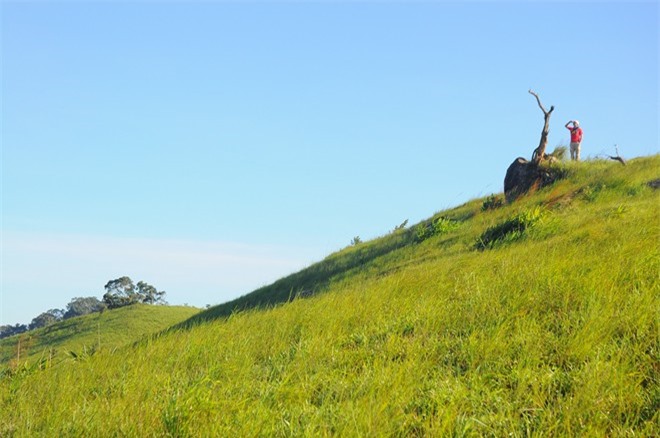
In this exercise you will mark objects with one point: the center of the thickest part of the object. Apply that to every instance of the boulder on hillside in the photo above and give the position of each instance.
(524, 176)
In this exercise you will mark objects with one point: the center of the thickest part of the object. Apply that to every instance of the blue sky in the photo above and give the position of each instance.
(210, 148)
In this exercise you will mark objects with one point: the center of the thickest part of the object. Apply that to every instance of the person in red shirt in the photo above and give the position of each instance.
(576, 138)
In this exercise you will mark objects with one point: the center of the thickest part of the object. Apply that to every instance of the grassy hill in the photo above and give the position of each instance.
(534, 318)
(85, 334)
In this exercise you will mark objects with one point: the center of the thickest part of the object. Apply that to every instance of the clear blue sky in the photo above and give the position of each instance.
(210, 148)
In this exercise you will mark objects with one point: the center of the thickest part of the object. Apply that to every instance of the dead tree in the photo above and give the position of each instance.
(523, 176)
(539, 152)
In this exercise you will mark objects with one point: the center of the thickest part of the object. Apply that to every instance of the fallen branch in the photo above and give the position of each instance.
(618, 157)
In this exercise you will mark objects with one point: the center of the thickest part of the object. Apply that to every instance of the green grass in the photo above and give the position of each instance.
(552, 333)
(86, 334)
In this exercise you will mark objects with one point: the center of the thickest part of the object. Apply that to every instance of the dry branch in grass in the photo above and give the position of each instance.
(618, 157)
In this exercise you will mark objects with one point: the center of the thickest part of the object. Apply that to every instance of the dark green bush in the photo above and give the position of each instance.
(492, 202)
(510, 230)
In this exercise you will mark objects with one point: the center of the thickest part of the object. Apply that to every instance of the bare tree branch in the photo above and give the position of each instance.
(545, 112)
(539, 152)
(538, 100)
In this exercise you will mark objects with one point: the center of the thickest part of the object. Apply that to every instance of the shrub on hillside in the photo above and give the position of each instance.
(441, 225)
(510, 230)
(401, 226)
(559, 153)
(492, 202)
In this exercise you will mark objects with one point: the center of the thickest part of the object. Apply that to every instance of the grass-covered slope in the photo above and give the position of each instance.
(586, 182)
(537, 318)
(85, 334)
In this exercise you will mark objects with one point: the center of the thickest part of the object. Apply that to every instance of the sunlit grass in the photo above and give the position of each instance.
(551, 334)
(89, 333)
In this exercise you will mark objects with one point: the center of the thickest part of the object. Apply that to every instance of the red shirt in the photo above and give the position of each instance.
(576, 134)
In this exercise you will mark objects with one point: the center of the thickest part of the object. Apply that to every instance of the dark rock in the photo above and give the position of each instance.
(654, 184)
(524, 176)
(305, 293)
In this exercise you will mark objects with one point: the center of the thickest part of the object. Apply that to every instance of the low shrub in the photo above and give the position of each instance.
(441, 225)
(560, 152)
(401, 226)
(591, 192)
(492, 202)
(510, 230)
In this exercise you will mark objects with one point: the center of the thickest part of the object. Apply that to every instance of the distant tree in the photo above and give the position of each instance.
(123, 292)
(11, 330)
(47, 318)
(83, 306)
(57, 313)
(149, 294)
(119, 293)
(356, 240)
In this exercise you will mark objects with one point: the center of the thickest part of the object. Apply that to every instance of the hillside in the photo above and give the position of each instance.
(585, 182)
(85, 334)
(534, 318)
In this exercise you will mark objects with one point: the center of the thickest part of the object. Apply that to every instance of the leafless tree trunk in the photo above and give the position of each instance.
(539, 152)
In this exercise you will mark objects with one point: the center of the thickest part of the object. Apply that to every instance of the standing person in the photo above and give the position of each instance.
(576, 138)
